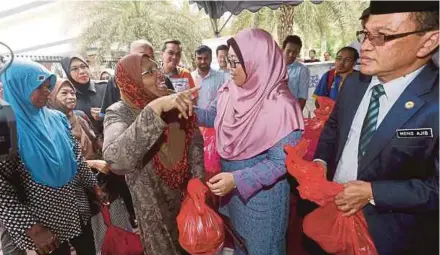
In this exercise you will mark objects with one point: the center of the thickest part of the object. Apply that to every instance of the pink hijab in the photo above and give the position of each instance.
(253, 118)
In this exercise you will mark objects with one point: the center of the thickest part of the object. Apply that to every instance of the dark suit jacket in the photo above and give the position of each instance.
(404, 172)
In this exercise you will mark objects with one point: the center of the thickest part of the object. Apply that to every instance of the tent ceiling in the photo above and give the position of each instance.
(216, 9)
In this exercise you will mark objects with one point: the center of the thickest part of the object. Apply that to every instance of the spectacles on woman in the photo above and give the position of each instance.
(153, 70)
(380, 39)
(233, 62)
(150, 72)
(76, 69)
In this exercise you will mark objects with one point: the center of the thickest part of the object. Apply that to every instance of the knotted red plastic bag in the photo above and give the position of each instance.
(118, 241)
(313, 127)
(335, 233)
(201, 229)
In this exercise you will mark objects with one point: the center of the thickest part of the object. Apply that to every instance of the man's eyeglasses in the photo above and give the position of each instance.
(233, 62)
(77, 68)
(380, 39)
(172, 53)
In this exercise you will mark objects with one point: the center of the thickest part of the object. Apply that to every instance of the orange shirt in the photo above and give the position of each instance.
(182, 80)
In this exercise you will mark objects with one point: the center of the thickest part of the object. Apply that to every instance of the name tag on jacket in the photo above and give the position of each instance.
(414, 133)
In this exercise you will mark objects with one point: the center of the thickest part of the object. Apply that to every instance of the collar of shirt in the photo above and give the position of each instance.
(197, 75)
(173, 73)
(394, 88)
(294, 64)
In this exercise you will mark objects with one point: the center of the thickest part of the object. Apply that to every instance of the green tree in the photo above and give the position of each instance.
(327, 26)
(111, 26)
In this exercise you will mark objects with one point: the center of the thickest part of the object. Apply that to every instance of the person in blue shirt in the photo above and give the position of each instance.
(331, 82)
(299, 74)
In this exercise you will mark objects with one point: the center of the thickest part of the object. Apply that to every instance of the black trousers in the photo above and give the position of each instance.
(84, 244)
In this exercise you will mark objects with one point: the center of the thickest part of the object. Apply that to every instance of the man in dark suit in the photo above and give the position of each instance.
(382, 138)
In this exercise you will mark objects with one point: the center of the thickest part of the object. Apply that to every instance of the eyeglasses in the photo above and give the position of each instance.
(173, 53)
(380, 39)
(76, 69)
(150, 72)
(233, 62)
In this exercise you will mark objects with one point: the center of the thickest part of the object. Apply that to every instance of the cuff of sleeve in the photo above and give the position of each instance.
(244, 192)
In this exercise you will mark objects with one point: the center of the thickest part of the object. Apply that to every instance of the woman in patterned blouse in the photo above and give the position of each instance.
(43, 205)
(158, 152)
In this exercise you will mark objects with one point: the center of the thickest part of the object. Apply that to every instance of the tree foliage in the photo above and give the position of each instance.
(112, 25)
(327, 26)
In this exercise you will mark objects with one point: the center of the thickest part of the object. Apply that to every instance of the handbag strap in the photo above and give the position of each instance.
(106, 215)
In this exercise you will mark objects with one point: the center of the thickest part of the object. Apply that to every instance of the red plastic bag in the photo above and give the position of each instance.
(201, 229)
(210, 154)
(117, 241)
(313, 127)
(335, 233)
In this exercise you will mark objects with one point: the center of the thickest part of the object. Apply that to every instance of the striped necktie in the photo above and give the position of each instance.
(370, 121)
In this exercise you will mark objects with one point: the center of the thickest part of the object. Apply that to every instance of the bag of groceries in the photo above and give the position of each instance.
(335, 233)
(201, 229)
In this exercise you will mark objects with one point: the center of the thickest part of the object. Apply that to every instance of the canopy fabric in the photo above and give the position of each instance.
(216, 9)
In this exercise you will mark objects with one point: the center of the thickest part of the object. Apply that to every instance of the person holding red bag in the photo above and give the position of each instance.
(156, 150)
(381, 140)
(255, 117)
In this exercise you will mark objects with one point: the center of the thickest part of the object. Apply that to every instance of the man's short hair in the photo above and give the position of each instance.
(172, 41)
(140, 43)
(222, 47)
(294, 39)
(314, 51)
(204, 49)
(426, 20)
(353, 51)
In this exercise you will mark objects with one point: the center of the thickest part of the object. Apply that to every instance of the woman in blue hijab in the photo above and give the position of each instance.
(42, 200)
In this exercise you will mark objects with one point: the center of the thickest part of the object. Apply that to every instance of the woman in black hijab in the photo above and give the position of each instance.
(89, 93)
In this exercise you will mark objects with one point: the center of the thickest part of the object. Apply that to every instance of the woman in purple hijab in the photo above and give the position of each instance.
(254, 118)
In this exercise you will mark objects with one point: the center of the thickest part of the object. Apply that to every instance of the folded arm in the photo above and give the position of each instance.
(252, 179)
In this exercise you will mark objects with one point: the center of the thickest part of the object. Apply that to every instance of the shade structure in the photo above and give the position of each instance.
(216, 9)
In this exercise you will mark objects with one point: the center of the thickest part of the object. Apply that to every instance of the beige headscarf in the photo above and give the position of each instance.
(81, 129)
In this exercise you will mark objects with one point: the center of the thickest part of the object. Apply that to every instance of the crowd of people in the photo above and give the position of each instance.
(131, 140)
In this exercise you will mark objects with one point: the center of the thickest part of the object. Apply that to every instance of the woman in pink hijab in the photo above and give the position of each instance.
(254, 118)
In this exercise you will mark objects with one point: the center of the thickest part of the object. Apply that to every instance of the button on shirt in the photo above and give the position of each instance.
(299, 77)
(209, 86)
(348, 164)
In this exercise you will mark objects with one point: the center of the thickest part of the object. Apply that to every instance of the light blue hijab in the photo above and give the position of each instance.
(44, 141)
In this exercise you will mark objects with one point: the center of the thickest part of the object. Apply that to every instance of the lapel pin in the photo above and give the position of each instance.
(409, 105)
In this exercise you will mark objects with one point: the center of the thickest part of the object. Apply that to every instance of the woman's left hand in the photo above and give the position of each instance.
(221, 184)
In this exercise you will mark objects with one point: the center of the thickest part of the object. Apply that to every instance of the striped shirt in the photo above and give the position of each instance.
(299, 77)
(209, 86)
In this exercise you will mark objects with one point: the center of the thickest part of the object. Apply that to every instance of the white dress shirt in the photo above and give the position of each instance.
(347, 168)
